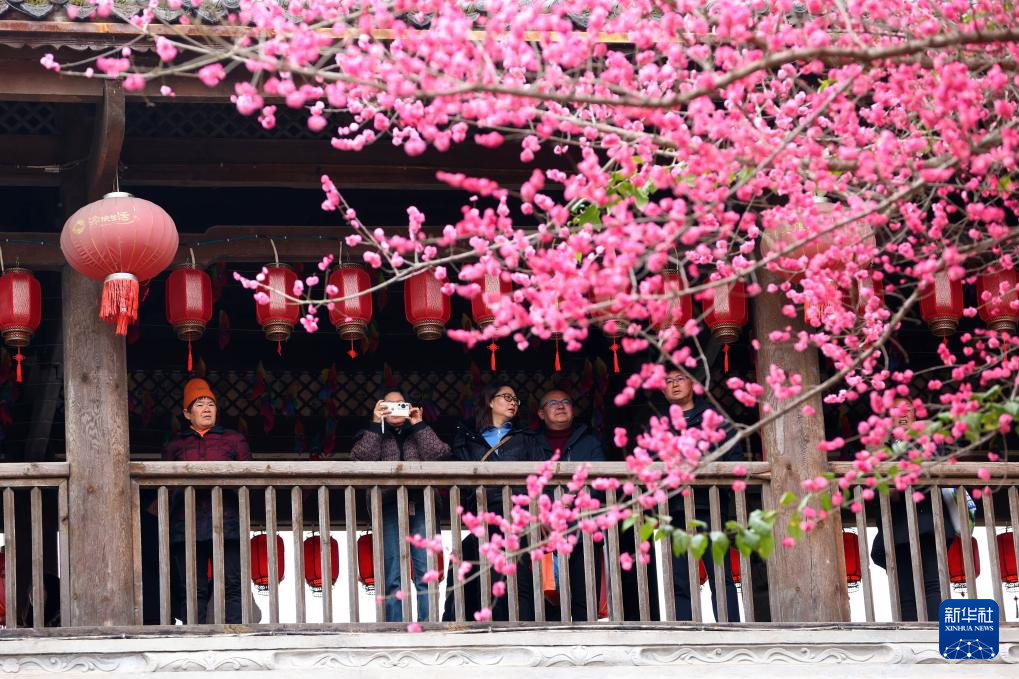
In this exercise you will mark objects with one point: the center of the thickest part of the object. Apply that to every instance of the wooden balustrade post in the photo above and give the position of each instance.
(806, 583)
(96, 429)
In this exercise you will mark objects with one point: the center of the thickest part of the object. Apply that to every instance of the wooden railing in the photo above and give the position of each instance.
(961, 478)
(261, 499)
(34, 491)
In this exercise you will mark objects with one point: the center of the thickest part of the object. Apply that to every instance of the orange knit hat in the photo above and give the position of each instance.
(195, 389)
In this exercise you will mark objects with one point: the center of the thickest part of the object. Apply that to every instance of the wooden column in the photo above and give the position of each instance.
(96, 427)
(807, 582)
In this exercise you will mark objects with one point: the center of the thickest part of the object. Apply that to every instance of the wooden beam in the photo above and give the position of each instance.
(96, 429)
(107, 140)
(807, 583)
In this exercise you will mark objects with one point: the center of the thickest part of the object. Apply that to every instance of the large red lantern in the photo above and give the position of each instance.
(313, 561)
(426, 307)
(1006, 561)
(119, 240)
(260, 561)
(941, 305)
(278, 315)
(957, 563)
(851, 547)
(725, 312)
(351, 315)
(188, 303)
(493, 288)
(997, 310)
(680, 309)
(366, 562)
(20, 310)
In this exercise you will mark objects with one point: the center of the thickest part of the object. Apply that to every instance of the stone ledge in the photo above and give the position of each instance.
(785, 651)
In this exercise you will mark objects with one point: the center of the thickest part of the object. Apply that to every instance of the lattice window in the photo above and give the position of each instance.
(206, 121)
(23, 117)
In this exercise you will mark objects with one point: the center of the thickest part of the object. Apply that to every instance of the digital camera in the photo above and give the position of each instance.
(398, 409)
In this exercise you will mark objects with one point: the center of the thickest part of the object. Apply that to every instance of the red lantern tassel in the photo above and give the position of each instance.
(558, 366)
(18, 358)
(352, 353)
(279, 348)
(615, 356)
(190, 363)
(120, 301)
(493, 347)
(725, 351)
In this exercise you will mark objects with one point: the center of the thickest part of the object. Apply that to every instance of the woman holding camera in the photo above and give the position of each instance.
(397, 433)
(493, 436)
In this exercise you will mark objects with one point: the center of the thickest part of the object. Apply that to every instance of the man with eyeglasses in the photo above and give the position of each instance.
(679, 391)
(575, 442)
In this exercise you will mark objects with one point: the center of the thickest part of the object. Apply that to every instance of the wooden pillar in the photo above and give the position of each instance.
(96, 426)
(807, 582)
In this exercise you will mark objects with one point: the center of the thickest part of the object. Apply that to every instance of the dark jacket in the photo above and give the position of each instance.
(582, 446)
(702, 503)
(411, 443)
(221, 445)
(900, 524)
(470, 446)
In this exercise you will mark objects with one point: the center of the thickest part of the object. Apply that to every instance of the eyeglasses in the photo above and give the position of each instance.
(509, 398)
(676, 380)
(555, 403)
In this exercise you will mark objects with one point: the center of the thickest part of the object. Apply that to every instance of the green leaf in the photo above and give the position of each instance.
(698, 543)
(759, 522)
(647, 528)
(748, 542)
(719, 546)
(590, 215)
(766, 546)
(788, 498)
(793, 527)
(826, 502)
(694, 523)
(628, 523)
(680, 542)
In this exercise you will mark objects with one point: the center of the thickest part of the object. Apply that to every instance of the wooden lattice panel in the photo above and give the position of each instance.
(189, 121)
(23, 117)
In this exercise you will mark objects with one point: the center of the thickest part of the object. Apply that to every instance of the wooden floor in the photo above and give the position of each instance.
(766, 651)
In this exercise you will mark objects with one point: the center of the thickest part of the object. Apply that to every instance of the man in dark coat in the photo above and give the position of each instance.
(904, 419)
(203, 441)
(679, 391)
(392, 438)
(575, 442)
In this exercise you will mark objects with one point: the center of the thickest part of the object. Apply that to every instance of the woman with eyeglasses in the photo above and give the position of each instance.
(493, 436)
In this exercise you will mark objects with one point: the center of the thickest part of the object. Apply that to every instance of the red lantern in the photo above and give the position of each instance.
(997, 310)
(20, 310)
(313, 561)
(941, 305)
(188, 303)
(956, 563)
(260, 561)
(851, 548)
(1006, 561)
(279, 315)
(725, 312)
(426, 307)
(680, 309)
(805, 245)
(702, 572)
(119, 240)
(734, 566)
(352, 315)
(366, 562)
(614, 314)
(493, 288)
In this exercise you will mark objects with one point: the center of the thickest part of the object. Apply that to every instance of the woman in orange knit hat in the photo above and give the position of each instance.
(205, 440)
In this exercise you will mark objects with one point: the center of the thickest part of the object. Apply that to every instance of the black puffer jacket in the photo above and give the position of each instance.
(470, 446)
(582, 446)
(702, 504)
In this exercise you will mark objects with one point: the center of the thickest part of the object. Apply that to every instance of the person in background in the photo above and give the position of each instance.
(205, 441)
(905, 416)
(679, 391)
(493, 436)
(400, 438)
(575, 442)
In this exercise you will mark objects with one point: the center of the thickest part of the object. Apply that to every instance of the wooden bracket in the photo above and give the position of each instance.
(107, 141)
